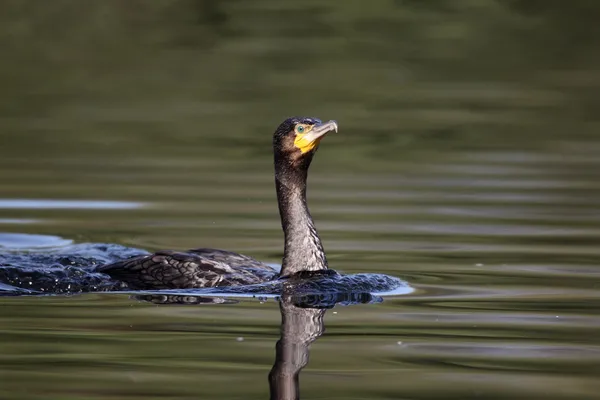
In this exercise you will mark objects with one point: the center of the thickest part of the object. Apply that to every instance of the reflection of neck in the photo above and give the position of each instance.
(299, 328)
(303, 249)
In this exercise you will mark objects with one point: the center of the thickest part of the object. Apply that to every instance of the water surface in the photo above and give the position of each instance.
(505, 301)
(466, 164)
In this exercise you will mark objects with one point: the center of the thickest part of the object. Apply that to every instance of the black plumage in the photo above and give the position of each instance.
(294, 143)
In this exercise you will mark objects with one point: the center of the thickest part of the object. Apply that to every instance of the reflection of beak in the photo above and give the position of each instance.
(311, 139)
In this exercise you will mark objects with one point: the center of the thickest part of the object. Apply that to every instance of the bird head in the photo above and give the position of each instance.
(297, 138)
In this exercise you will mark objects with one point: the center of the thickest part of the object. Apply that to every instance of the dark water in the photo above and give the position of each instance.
(466, 164)
(505, 267)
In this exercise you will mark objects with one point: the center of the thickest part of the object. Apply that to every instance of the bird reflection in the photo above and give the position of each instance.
(302, 324)
(299, 328)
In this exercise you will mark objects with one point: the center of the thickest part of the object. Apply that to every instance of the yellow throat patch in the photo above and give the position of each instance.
(303, 143)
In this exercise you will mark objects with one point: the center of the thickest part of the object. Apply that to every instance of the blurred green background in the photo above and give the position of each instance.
(113, 80)
(466, 162)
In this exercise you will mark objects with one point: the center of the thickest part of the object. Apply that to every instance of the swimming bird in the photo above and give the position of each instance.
(295, 142)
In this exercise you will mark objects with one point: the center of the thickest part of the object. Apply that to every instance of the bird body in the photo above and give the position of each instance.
(197, 268)
(294, 143)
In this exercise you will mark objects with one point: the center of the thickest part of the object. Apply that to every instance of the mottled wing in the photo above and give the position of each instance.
(168, 270)
(230, 258)
(245, 270)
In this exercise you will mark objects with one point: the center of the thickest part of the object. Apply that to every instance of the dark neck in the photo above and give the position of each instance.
(303, 248)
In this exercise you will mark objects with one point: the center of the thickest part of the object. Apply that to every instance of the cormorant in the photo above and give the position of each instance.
(294, 144)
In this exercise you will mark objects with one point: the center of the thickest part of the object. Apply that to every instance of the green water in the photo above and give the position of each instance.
(466, 163)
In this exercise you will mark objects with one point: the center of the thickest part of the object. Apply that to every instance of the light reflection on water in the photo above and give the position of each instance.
(17, 221)
(466, 164)
(49, 204)
(497, 308)
(16, 241)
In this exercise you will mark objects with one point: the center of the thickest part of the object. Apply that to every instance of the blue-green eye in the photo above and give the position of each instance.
(300, 129)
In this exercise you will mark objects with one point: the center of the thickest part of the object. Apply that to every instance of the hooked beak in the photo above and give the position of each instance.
(320, 130)
(310, 140)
